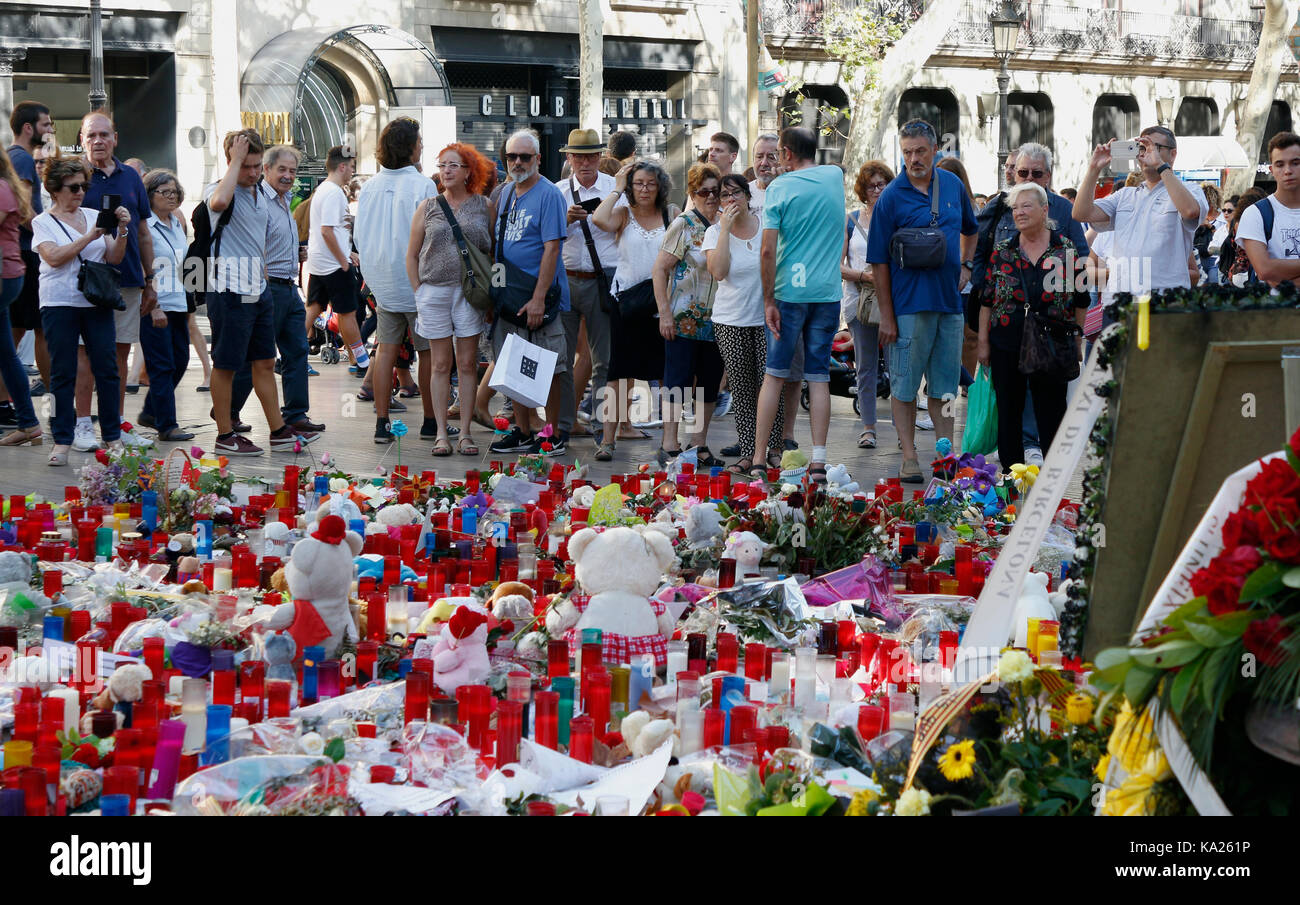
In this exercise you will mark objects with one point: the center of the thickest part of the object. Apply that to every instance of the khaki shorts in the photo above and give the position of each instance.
(549, 337)
(127, 323)
(391, 329)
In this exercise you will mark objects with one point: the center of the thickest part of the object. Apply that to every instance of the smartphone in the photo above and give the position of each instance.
(590, 204)
(1124, 150)
(107, 220)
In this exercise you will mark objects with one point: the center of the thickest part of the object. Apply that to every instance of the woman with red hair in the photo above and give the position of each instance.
(433, 266)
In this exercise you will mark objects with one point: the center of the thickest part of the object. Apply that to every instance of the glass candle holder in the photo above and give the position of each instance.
(696, 646)
(557, 658)
(742, 718)
(509, 732)
(18, 753)
(278, 692)
(367, 657)
(726, 573)
(779, 674)
(581, 732)
(223, 686)
(756, 661)
(598, 697)
(678, 658)
(329, 679)
(728, 652)
(217, 748)
(871, 721)
(563, 685)
(417, 696)
(546, 711)
(715, 724)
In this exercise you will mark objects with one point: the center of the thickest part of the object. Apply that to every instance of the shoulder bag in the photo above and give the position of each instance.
(100, 283)
(639, 300)
(604, 275)
(921, 247)
(868, 302)
(519, 285)
(1048, 346)
(475, 264)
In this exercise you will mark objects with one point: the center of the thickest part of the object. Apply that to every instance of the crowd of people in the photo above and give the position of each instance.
(724, 295)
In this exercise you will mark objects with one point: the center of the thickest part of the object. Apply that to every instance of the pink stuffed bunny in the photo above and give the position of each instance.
(460, 657)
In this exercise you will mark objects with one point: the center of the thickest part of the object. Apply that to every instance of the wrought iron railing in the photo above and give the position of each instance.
(1048, 27)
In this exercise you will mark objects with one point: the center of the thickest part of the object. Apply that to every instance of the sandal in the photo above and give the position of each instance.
(441, 447)
(818, 475)
(757, 473)
(483, 419)
(867, 439)
(773, 459)
(604, 452)
(742, 467)
(364, 395)
(58, 455)
(466, 447)
(409, 392)
(637, 434)
(706, 459)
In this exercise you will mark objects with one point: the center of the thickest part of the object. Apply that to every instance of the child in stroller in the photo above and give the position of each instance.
(844, 372)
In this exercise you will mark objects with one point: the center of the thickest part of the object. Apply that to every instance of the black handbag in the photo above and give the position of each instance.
(638, 300)
(1048, 347)
(604, 275)
(519, 285)
(921, 247)
(475, 265)
(100, 283)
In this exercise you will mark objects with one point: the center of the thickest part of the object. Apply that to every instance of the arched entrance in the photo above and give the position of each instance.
(314, 87)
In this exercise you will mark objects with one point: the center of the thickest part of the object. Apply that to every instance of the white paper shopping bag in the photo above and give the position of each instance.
(523, 371)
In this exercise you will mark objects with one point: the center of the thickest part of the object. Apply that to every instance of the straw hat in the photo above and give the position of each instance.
(583, 141)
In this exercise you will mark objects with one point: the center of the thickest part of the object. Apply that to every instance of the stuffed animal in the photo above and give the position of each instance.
(396, 514)
(1033, 604)
(840, 481)
(440, 612)
(1060, 597)
(371, 565)
(584, 496)
(512, 600)
(460, 656)
(15, 568)
(125, 684)
(280, 651)
(642, 735)
(703, 525)
(319, 575)
(276, 540)
(339, 503)
(747, 549)
(620, 568)
(189, 569)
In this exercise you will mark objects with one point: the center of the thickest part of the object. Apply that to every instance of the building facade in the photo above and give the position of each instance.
(1082, 74)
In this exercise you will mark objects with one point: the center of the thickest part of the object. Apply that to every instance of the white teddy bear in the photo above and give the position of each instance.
(642, 735)
(747, 549)
(320, 572)
(620, 568)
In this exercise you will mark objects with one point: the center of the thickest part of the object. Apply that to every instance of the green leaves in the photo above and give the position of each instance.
(1169, 654)
(1263, 582)
(1074, 786)
(1139, 683)
(334, 749)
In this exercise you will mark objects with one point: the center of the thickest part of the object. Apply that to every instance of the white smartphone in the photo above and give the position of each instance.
(1124, 150)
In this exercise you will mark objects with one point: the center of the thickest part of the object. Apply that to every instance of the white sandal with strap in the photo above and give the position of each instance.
(58, 455)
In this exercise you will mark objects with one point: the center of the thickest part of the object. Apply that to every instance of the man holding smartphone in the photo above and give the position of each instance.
(113, 184)
(1154, 222)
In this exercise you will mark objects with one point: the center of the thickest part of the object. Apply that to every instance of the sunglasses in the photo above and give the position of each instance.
(1028, 174)
(77, 188)
(522, 158)
(708, 193)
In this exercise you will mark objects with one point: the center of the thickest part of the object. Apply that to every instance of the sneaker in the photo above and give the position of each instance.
(508, 410)
(38, 388)
(910, 472)
(1034, 456)
(135, 441)
(723, 406)
(515, 441)
(233, 444)
(360, 373)
(32, 370)
(83, 439)
(791, 443)
(382, 433)
(305, 426)
(146, 420)
(429, 429)
(286, 438)
(395, 406)
(175, 435)
(312, 372)
(559, 446)
(924, 421)
(7, 416)
(732, 451)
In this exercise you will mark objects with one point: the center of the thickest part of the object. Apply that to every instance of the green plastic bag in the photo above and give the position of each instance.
(981, 434)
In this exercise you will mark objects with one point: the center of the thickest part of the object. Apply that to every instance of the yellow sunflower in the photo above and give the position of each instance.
(958, 762)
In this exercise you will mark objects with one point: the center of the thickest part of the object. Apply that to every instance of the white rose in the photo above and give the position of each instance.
(338, 485)
(312, 744)
(1015, 666)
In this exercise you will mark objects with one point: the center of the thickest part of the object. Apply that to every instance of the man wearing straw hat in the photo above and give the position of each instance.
(583, 190)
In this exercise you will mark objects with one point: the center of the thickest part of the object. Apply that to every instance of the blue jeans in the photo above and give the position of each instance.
(1029, 425)
(866, 354)
(63, 325)
(929, 344)
(287, 319)
(166, 356)
(11, 369)
(811, 325)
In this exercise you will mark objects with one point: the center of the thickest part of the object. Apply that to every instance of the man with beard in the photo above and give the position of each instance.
(529, 233)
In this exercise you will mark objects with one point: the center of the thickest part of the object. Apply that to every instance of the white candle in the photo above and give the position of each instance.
(676, 663)
(780, 682)
(222, 579)
(71, 706)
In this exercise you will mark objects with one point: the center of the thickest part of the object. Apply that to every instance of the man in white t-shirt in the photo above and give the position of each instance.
(1154, 222)
(1275, 253)
(330, 259)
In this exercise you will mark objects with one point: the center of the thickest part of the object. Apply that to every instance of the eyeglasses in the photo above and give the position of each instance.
(727, 196)
(1027, 174)
(876, 186)
(522, 158)
(1165, 147)
(451, 166)
(645, 186)
(707, 193)
(77, 188)
(166, 193)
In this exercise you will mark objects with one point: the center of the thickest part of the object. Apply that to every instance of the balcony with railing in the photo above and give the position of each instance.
(1050, 29)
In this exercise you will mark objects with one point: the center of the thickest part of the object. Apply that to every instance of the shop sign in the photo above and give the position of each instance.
(558, 107)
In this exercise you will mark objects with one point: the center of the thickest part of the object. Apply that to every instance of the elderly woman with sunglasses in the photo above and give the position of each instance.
(64, 236)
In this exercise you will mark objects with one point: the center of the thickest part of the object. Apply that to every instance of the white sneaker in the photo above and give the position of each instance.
(134, 440)
(83, 440)
(924, 422)
(1034, 457)
(648, 425)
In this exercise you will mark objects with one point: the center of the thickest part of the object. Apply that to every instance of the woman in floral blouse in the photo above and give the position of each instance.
(1036, 268)
(684, 293)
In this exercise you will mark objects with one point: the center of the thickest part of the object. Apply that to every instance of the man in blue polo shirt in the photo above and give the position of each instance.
(921, 314)
(109, 176)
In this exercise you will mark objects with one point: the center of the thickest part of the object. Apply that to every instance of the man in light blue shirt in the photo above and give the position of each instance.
(280, 170)
(385, 209)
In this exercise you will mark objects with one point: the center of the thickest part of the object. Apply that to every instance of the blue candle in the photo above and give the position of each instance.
(13, 803)
(149, 504)
(640, 680)
(358, 525)
(733, 693)
(404, 667)
(115, 805)
(469, 521)
(203, 540)
(322, 484)
(311, 656)
(53, 628)
(217, 749)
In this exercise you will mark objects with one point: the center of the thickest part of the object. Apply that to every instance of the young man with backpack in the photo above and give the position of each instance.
(1269, 230)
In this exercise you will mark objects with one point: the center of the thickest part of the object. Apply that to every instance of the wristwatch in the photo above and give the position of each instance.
(1160, 170)
(969, 265)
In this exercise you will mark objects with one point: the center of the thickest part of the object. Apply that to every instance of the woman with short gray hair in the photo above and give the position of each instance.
(1036, 270)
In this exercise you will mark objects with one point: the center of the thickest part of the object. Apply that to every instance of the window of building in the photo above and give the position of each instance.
(326, 103)
(822, 111)
(1279, 120)
(1029, 118)
(1197, 116)
(938, 107)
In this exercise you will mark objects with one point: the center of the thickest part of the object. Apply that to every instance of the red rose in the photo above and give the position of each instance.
(1285, 548)
(547, 446)
(1280, 517)
(1295, 442)
(1240, 529)
(1276, 481)
(87, 754)
(1220, 582)
(1264, 639)
(101, 457)
(1239, 563)
(500, 423)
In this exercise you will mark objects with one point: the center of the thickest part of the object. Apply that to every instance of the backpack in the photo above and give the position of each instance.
(206, 244)
(1237, 261)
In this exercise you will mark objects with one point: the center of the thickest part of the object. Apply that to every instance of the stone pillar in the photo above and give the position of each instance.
(8, 56)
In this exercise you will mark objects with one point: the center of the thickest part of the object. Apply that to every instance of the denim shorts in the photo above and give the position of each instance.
(811, 325)
(929, 344)
(241, 332)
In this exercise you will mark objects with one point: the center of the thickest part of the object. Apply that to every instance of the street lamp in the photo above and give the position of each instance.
(98, 96)
(1006, 33)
